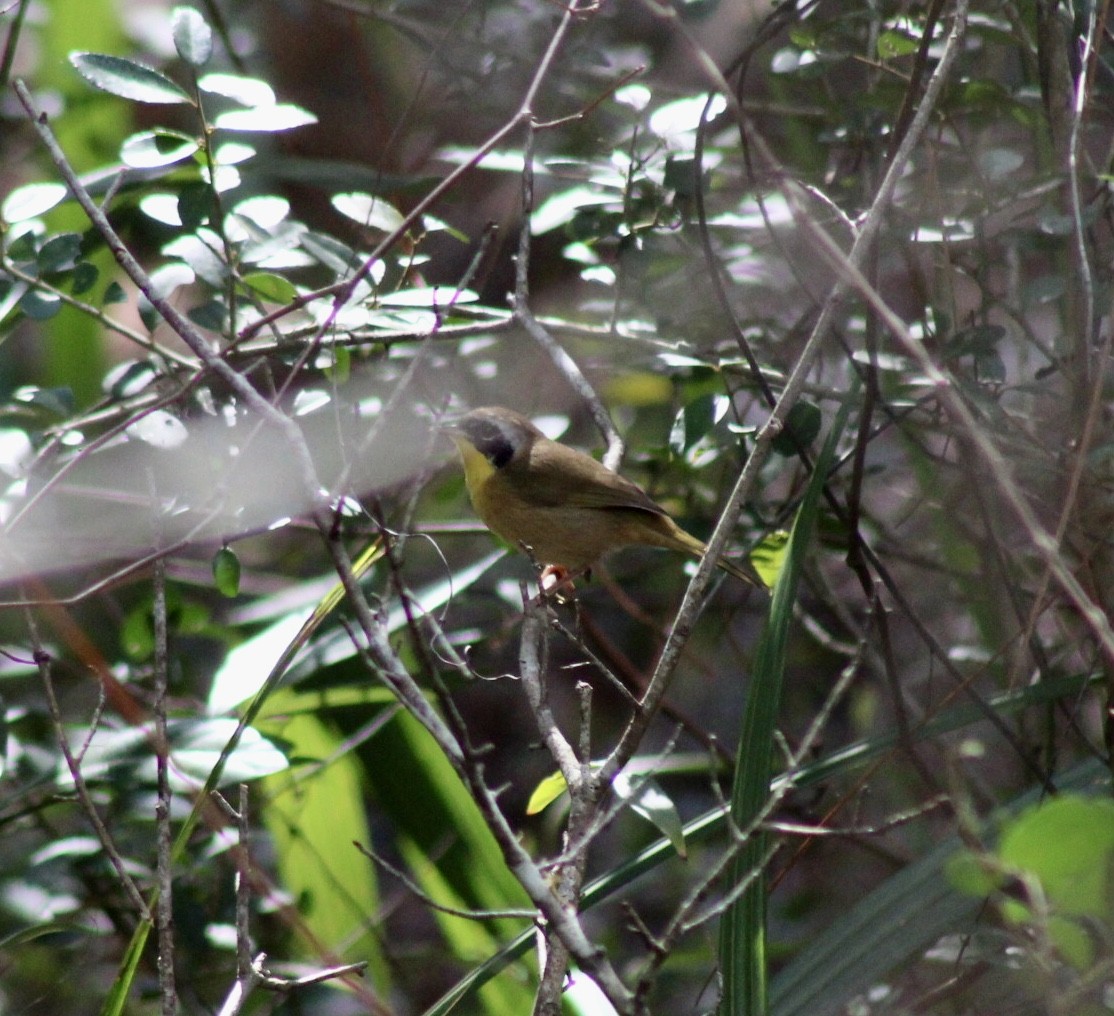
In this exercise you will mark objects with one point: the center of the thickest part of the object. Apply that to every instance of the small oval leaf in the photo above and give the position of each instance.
(801, 427)
(281, 117)
(39, 306)
(545, 793)
(193, 39)
(126, 78)
(226, 572)
(152, 149)
(271, 287)
(31, 200)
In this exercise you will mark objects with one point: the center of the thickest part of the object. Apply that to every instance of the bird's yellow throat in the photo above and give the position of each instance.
(477, 467)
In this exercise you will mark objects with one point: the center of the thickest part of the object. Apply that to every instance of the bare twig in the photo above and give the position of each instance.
(168, 994)
(112, 852)
(564, 363)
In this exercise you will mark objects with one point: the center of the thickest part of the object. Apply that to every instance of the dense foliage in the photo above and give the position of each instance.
(286, 730)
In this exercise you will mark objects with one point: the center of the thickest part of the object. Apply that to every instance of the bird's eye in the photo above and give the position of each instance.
(494, 443)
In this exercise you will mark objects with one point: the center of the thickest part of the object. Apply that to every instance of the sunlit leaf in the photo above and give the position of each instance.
(244, 90)
(193, 39)
(159, 429)
(151, 149)
(368, 210)
(647, 799)
(281, 117)
(32, 200)
(127, 78)
(545, 793)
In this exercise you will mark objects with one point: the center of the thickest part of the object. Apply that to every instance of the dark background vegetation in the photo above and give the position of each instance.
(675, 220)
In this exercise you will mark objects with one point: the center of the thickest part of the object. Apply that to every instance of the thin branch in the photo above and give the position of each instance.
(520, 301)
(168, 994)
(43, 662)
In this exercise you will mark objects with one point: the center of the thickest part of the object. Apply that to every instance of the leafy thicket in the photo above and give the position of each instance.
(284, 729)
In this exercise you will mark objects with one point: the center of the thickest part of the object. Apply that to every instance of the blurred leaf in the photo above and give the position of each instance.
(680, 175)
(1068, 843)
(85, 277)
(226, 572)
(369, 211)
(893, 44)
(271, 287)
(38, 305)
(195, 204)
(647, 799)
(31, 201)
(195, 746)
(694, 422)
(315, 814)
(280, 117)
(768, 557)
(59, 253)
(643, 388)
(192, 37)
(424, 798)
(801, 427)
(742, 945)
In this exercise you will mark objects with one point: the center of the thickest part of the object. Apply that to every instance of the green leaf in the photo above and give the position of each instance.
(1067, 843)
(894, 44)
(280, 117)
(545, 793)
(195, 204)
(155, 148)
(651, 802)
(211, 315)
(59, 253)
(39, 306)
(114, 293)
(226, 572)
(971, 875)
(22, 248)
(368, 210)
(31, 201)
(801, 427)
(193, 39)
(342, 364)
(768, 557)
(126, 78)
(271, 287)
(316, 815)
(239, 88)
(137, 637)
(84, 278)
(742, 945)
(680, 175)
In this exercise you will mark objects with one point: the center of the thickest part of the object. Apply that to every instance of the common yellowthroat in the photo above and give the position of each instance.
(565, 506)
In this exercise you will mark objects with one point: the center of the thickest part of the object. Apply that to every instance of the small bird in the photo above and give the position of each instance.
(565, 506)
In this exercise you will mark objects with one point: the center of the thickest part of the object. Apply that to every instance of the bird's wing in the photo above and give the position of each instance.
(579, 481)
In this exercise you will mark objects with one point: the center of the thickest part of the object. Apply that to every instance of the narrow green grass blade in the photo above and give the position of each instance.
(742, 944)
